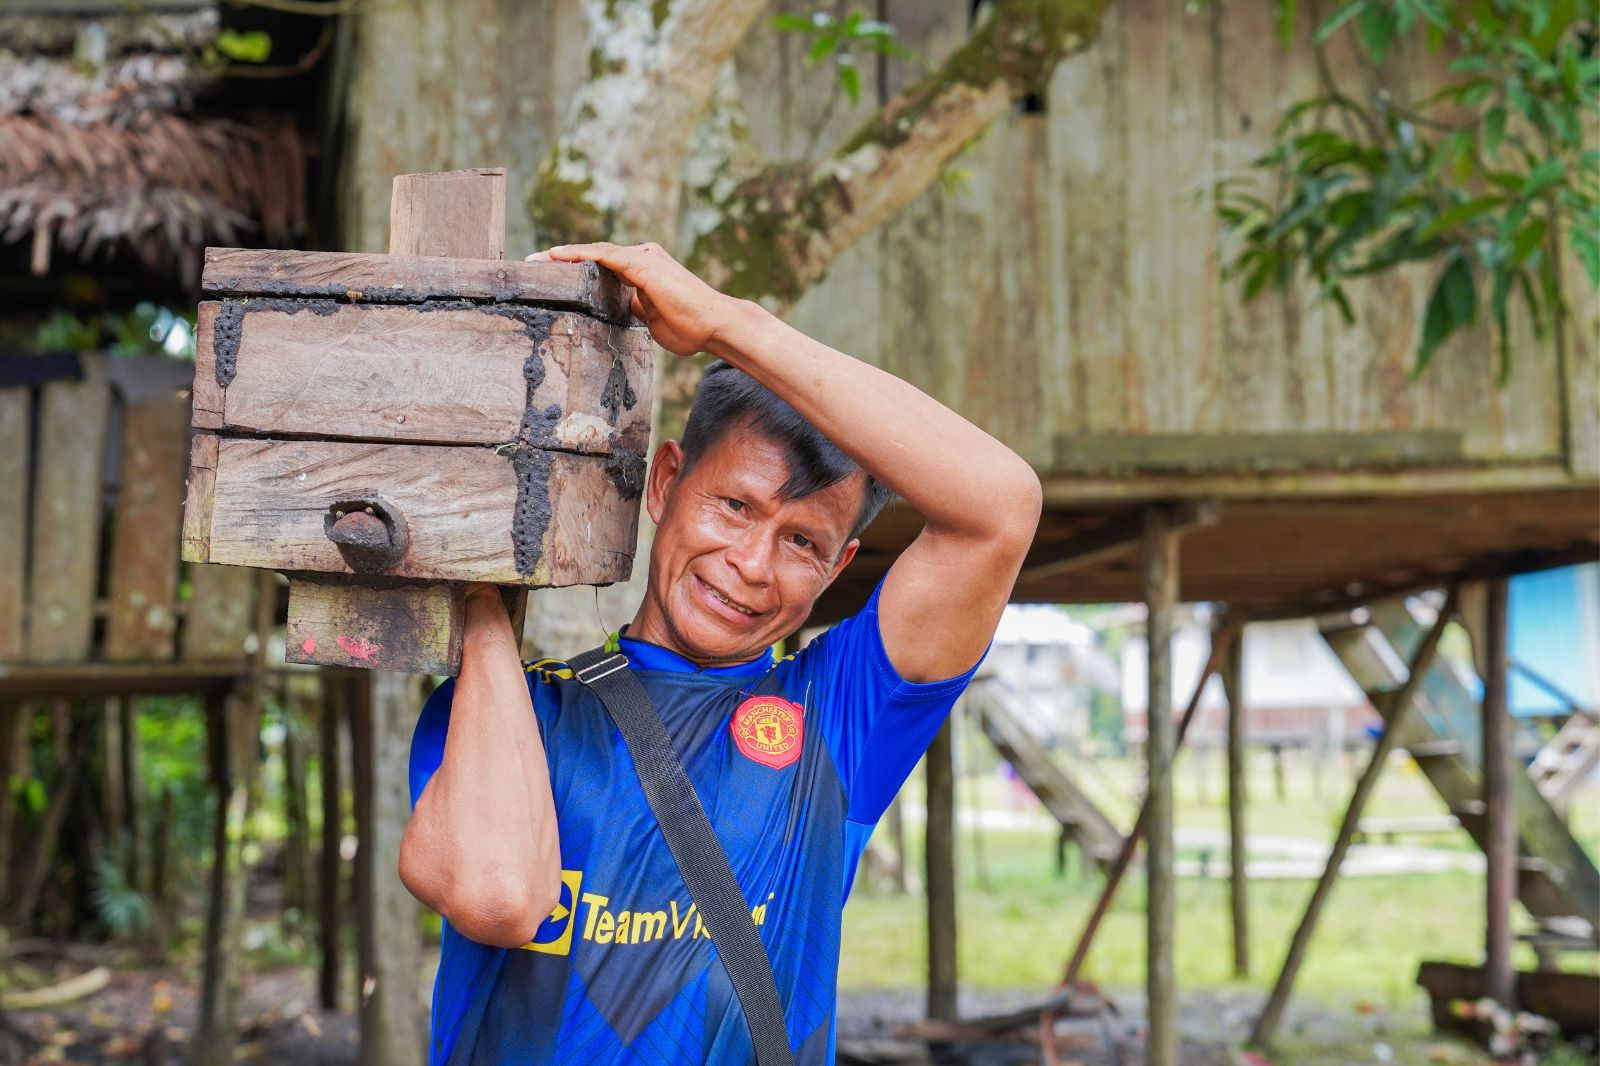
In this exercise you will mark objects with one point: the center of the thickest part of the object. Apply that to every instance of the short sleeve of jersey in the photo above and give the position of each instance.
(427, 741)
(876, 724)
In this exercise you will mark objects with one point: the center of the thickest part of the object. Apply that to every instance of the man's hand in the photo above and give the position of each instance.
(684, 314)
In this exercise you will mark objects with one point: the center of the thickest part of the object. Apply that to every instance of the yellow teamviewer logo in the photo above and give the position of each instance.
(554, 937)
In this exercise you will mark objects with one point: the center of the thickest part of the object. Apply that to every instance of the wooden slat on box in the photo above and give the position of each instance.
(142, 595)
(66, 516)
(218, 613)
(447, 376)
(465, 516)
(16, 413)
(411, 628)
(410, 279)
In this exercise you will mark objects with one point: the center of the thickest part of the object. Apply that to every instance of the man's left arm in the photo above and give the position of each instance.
(942, 599)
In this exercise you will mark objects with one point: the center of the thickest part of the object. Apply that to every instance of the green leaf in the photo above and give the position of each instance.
(1376, 30)
(1452, 306)
(824, 47)
(1542, 175)
(1459, 213)
(1287, 12)
(1586, 243)
(253, 46)
(1494, 130)
(850, 78)
(1331, 24)
(1528, 238)
(794, 23)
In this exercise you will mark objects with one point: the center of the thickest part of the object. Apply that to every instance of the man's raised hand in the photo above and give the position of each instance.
(683, 313)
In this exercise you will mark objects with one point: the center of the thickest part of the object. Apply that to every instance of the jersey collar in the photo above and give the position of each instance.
(643, 655)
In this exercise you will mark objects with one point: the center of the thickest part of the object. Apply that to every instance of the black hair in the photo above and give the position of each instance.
(728, 398)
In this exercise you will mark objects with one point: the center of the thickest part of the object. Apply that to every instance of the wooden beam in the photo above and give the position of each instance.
(1120, 535)
(88, 680)
(357, 625)
(939, 874)
(1253, 452)
(1161, 599)
(1500, 847)
(469, 514)
(1272, 1014)
(16, 419)
(449, 374)
(1238, 839)
(364, 277)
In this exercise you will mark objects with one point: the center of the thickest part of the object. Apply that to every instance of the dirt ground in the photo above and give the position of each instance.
(147, 1016)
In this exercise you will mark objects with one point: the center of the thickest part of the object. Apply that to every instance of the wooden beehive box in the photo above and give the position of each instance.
(385, 428)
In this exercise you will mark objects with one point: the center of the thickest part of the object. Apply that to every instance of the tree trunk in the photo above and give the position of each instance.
(297, 877)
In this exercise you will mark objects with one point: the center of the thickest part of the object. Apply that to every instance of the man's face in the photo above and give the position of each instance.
(734, 567)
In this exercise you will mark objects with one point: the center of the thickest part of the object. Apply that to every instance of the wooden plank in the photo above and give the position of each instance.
(461, 506)
(16, 419)
(410, 628)
(1089, 135)
(143, 584)
(207, 391)
(199, 498)
(1147, 281)
(217, 620)
(1255, 452)
(407, 279)
(1193, 319)
(65, 562)
(473, 376)
(459, 214)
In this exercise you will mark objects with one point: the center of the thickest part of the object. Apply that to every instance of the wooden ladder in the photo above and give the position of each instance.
(1006, 729)
(1570, 757)
(1443, 734)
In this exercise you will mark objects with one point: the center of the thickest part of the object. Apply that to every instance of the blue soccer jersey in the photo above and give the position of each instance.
(794, 759)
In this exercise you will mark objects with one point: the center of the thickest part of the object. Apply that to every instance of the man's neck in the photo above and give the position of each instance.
(654, 627)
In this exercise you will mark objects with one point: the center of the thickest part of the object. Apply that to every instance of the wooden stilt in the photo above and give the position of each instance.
(1272, 1013)
(1130, 843)
(1500, 847)
(897, 833)
(133, 795)
(1161, 598)
(296, 817)
(233, 728)
(391, 942)
(334, 708)
(1238, 892)
(939, 875)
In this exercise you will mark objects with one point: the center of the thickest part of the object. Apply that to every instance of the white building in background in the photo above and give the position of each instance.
(1054, 664)
(1296, 692)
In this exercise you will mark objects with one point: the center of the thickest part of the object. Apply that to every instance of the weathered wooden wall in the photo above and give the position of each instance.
(1063, 283)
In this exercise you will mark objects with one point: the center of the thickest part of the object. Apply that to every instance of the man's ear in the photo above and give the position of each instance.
(844, 560)
(665, 470)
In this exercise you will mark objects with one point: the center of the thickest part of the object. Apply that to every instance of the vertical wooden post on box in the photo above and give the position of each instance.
(1238, 886)
(1500, 845)
(460, 214)
(1161, 599)
(939, 875)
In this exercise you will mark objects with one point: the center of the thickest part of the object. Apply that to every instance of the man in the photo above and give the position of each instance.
(570, 935)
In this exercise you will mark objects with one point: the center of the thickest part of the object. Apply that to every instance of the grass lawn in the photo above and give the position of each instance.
(1019, 920)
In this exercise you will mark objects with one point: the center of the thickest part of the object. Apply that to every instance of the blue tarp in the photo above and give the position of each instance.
(1554, 620)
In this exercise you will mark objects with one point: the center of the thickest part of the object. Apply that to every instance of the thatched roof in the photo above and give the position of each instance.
(104, 153)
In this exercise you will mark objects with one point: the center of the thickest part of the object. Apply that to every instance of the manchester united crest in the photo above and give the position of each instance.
(768, 729)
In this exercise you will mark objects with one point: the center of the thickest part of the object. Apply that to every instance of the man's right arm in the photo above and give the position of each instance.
(482, 847)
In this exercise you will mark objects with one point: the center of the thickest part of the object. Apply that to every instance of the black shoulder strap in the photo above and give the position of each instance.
(694, 846)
